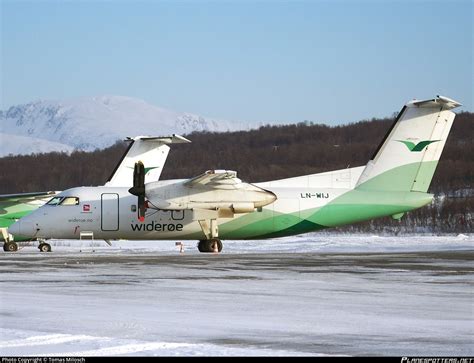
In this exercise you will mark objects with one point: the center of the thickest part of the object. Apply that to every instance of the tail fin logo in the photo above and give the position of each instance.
(417, 147)
(146, 169)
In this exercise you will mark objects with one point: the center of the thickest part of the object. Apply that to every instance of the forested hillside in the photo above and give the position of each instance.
(274, 152)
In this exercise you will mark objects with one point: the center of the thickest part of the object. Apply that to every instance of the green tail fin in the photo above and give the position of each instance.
(407, 157)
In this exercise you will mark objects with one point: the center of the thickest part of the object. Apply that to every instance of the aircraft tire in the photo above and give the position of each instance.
(10, 247)
(203, 246)
(219, 244)
(44, 247)
(209, 245)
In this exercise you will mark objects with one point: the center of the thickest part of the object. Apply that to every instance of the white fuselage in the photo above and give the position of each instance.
(110, 213)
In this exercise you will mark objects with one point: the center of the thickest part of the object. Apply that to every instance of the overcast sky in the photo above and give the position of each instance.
(270, 61)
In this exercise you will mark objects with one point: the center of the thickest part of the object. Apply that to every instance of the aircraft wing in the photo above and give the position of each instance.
(25, 197)
(14, 206)
(230, 194)
(214, 178)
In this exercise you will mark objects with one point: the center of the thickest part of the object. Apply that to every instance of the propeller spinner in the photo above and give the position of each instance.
(138, 188)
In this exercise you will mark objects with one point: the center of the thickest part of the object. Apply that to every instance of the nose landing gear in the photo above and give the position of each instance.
(44, 247)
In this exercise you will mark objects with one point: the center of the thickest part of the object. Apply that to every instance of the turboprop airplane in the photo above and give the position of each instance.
(217, 205)
(151, 150)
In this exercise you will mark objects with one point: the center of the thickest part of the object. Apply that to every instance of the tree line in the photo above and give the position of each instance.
(273, 152)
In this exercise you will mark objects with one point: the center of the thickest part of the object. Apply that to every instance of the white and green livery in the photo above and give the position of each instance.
(217, 205)
(151, 150)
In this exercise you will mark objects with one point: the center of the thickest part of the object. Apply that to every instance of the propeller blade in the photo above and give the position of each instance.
(138, 188)
(139, 174)
(141, 208)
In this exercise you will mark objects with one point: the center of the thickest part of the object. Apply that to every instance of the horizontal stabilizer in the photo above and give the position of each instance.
(440, 101)
(173, 139)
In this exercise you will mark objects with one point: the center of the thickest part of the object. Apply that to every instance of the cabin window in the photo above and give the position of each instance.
(55, 201)
(177, 215)
(70, 201)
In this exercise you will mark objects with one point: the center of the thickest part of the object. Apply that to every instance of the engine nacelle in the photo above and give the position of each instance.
(243, 207)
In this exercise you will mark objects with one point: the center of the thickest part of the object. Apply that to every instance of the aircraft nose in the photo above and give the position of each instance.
(24, 228)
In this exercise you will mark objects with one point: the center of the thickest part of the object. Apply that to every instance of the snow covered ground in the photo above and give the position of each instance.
(306, 243)
(306, 295)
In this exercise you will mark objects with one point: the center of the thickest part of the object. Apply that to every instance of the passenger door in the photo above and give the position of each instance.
(110, 212)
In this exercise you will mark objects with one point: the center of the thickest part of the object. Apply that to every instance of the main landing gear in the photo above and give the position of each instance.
(210, 230)
(210, 245)
(10, 247)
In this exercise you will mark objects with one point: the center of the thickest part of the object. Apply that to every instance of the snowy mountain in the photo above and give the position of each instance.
(17, 145)
(93, 122)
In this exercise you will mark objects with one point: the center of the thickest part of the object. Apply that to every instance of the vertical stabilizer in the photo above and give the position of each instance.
(407, 158)
(151, 151)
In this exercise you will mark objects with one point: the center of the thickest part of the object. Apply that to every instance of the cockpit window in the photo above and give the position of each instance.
(55, 201)
(70, 201)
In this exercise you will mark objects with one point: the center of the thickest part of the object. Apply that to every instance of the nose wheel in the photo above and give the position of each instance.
(44, 247)
(210, 245)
